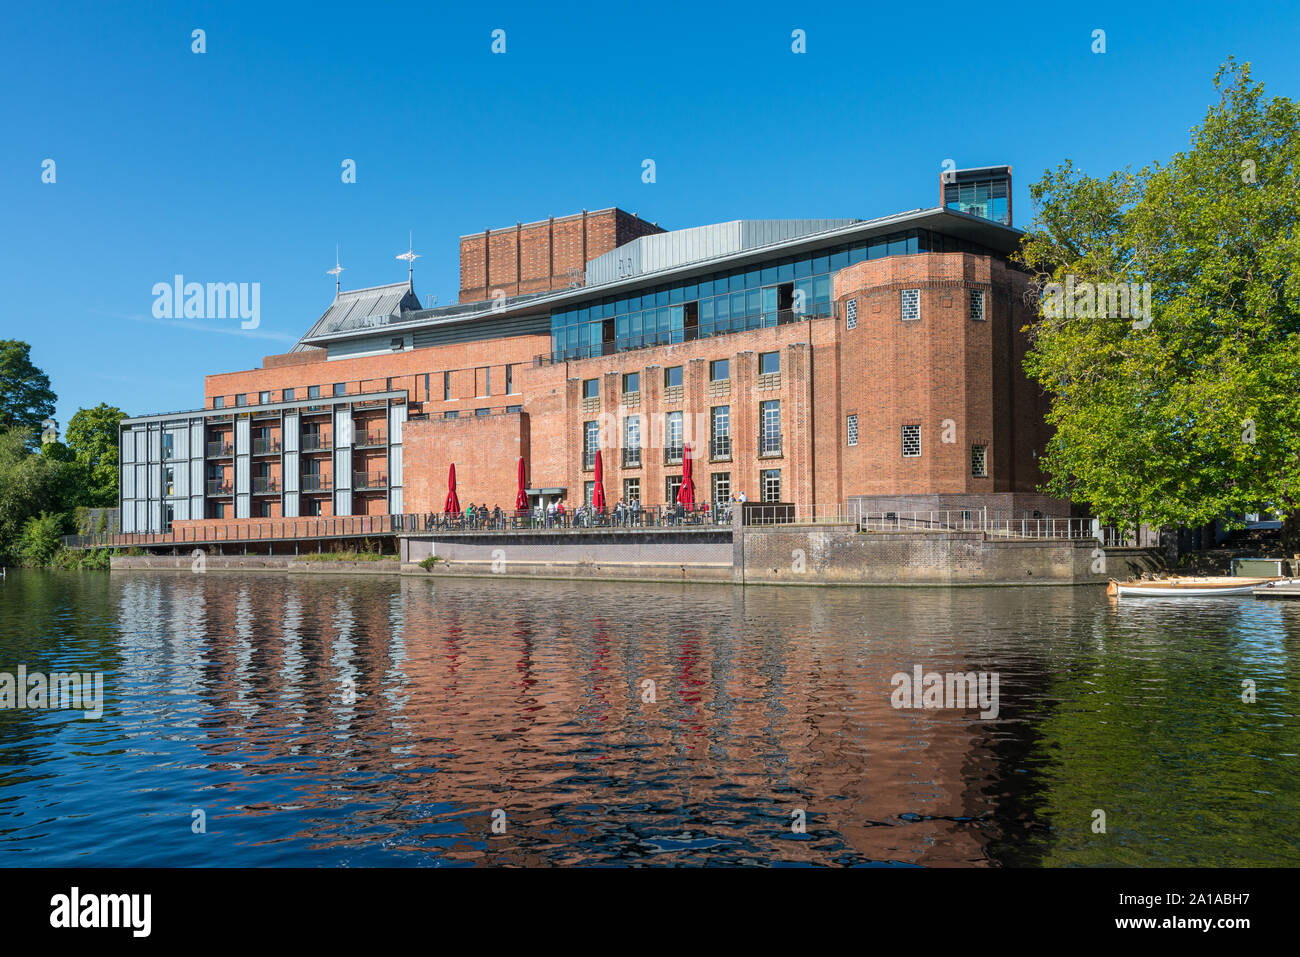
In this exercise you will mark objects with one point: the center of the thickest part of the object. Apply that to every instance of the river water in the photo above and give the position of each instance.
(275, 719)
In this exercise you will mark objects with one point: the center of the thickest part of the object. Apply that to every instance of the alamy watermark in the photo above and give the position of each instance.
(57, 691)
(954, 690)
(179, 299)
(1100, 300)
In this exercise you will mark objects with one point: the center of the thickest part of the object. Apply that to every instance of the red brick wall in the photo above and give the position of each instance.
(536, 257)
(485, 450)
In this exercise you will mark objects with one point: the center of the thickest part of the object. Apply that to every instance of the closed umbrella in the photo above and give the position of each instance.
(598, 494)
(686, 494)
(521, 497)
(452, 506)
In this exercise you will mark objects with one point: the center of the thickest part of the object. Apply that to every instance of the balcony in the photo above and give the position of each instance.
(369, 480)
(317, 442)
(220, 450)
(632, 458)
(265, 484)
(317, 483)
(720, 448)
(373, 438)
(266, 447)
(219, 487)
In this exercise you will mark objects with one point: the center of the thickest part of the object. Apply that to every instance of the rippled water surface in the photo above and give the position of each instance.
(337, 720)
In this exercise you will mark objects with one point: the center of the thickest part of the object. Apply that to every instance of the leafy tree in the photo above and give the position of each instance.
(26, 399)
(29, 484)
(1196, 413)
(92, 439)
(40, 539)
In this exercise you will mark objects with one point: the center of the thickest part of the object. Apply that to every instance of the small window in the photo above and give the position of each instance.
(287, 395)
(514, 408)
(911, 441)
(313, 392)
(979, 461)
(241, 399)
(510, 380)
(769, 362)
(852, 429)
(719, 370)
(632, 382)
(482, 411)
(911, 304)
(396, 344)
(631, 490)
(770, 485)
(453, 414)
(672, 376)
(340, 388)
(977, 305)
(851, 314)
(590, 388)
(263, 398)
(446, 387)
(219, 402)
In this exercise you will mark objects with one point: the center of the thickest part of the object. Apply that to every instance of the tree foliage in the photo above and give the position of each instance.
(1198, 413)
(26, 399)
(92, 439)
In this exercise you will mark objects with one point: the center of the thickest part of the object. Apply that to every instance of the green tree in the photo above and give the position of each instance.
(29, 484)
(26, 399)
(1196, 413)
(92, 439)
(40, 539)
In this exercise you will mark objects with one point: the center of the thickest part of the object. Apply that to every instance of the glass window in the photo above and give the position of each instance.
(720, 432)
(287, 395)
(911, 304)
(852, 429)
(977, 304)
(590, 388)
(769, 362)
(911, 441)
(631, 490)
(241, 399)
(340, 388)
(673, 438)
(632, 382)
(219, 402)
(263, 398)
(313, 392)
(510, 380)
(482, 411)
(672, 485)
(719, 370)
(769, 438)
(672, 376)
(514, 408)
(590, 443)
(770, 485)
(979, 463)
(446, 387)
(721, 482)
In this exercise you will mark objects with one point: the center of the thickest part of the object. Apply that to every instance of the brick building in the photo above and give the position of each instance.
(819, 362)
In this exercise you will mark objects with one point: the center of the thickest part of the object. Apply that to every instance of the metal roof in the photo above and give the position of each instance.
(976, 229)
(363, 309)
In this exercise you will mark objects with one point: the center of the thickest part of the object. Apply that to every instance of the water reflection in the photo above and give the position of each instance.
(331, 720)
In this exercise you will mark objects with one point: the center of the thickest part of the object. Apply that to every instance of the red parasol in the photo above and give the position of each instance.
(521, 497)
(686, 494)
(598, 493)
(452, 506)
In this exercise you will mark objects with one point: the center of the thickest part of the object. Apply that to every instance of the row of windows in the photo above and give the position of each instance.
(910, 307)
(720, 488)
(719, 371)
(482, 388)
(768, 294)
(911, 437)
(769, 437)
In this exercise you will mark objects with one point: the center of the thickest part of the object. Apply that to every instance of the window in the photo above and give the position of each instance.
(672, 485)
(483, 380)
(631, 490)
(672, 376)
(340, 388)
(219, 402)
(510, 380)
(979, 461)
(632, 441)
(241, 399)
(482, 411)
(514, 408)
(313, 392)
(396, 344)
(287, 395)
(590, 388)
(453, 414)
(911, 441)
(720, 432)
(977, 305)
(721, 486)
(719, 370)
(851, 314)
(852, 429)
(446, 387)
(769, 484)
(911, 304)
(769, 437)
(631, 382)
(588, 492)
(590, 442)
(168, 446)
(769, 362)
(263, 398)
(673, 438)
(169, 480)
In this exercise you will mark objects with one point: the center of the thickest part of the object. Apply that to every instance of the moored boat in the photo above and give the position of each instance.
(1204, 587)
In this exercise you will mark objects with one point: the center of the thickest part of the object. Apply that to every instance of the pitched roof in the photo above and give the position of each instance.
(362, 308)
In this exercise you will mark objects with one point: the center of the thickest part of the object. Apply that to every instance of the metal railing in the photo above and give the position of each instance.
(220, 487)
(220, 450)
(266, 447)
(263, 484)
(317, 442)
(364, 439)
(367, 480)
(317, 483)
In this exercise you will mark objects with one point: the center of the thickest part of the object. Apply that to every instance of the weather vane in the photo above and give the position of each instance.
(335, 272)
(410, 256)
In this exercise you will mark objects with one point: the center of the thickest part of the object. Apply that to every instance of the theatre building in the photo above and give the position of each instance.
(819, 362)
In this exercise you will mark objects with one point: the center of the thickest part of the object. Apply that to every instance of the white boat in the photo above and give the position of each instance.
(1208, 587)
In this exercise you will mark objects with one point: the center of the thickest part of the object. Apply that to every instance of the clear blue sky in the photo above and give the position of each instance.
(225, 166)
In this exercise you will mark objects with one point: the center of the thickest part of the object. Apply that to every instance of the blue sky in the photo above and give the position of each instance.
(225, 166)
